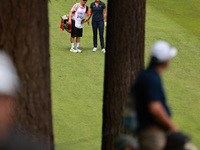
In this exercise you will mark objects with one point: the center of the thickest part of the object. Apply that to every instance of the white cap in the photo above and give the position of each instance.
(9, 81)
(163, 51)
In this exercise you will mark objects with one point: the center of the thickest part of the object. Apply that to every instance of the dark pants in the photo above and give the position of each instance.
(75, 31)
(100, 25)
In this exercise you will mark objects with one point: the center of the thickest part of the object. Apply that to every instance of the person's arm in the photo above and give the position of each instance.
(88, 23)
(70, 14)
(160, 114)
(105, 16)
(88, 13)
(70, 18)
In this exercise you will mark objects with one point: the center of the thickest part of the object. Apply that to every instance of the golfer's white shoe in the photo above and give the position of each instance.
(103, 50)
(78, 50)
(94, 49)
(73, 50)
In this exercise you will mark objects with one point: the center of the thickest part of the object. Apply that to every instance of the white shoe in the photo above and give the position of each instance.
(94, 49)
(78, 50)
(103, 50)
(73, 50)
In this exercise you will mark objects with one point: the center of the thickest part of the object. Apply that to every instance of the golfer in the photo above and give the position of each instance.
(153, 113)
(76, 17)
(98, 13)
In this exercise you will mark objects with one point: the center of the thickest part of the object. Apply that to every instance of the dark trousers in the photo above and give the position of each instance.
(98, 25)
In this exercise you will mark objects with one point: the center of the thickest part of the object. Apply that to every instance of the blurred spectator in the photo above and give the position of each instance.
(9, 84)
(155, 128)
(153, 113)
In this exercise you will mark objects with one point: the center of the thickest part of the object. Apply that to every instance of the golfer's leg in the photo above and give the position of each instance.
(72, 42)
(72, 39)
(78, 39)
(94, 28)
(152, 140)
(101, 31)
(72, 35)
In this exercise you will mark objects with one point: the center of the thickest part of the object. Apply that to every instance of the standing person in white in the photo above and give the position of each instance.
(76, 18)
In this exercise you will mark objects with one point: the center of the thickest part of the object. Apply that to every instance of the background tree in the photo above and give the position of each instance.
(124, 60)
(24, 34)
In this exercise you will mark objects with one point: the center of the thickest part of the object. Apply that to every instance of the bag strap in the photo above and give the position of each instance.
(76, 8)
(86, 9)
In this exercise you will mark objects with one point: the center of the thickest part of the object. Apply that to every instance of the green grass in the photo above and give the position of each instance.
(77, 85)
(77, 79)
(183, 12)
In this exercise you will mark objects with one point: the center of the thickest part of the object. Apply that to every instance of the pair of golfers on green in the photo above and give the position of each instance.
(76, 18)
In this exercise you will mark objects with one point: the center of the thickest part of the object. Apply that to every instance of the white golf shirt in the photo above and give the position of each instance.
(79, 14)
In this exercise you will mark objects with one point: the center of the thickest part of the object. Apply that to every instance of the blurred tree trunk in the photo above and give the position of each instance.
(24, 34)
(124, 60)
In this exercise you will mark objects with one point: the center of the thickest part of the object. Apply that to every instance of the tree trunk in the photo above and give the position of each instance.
(24, 35)
(124, 60)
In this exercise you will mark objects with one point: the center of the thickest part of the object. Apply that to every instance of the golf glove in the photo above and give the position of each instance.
(105, 24)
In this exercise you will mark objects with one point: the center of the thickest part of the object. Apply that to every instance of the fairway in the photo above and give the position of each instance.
(77, 79)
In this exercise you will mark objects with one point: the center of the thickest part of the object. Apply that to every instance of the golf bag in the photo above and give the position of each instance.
(64, 24)
(64, 20)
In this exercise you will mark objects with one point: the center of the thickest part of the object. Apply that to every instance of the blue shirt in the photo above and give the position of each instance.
(148, 88)
(97, 11)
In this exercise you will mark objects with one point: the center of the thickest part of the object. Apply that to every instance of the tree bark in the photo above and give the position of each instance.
(124, 60)
(24, 35)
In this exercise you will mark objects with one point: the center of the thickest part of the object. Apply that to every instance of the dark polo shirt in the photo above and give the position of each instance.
(97, 11)
(148, 88)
